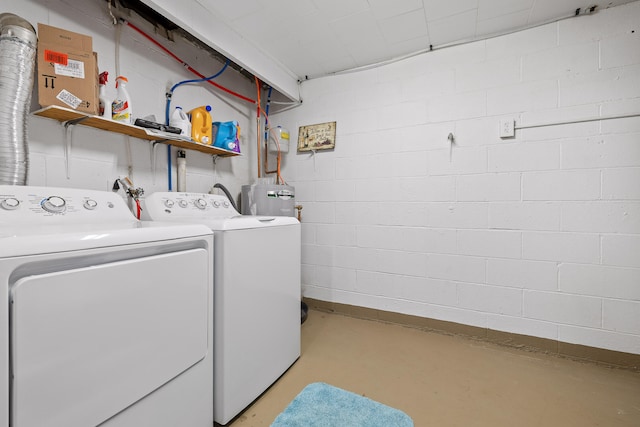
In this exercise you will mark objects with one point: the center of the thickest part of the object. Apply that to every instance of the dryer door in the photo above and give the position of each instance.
(88, 342)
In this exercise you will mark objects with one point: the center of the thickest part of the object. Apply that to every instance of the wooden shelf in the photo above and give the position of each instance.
(66, 115)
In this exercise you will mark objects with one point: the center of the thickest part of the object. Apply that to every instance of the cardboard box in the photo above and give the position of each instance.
(67, 70)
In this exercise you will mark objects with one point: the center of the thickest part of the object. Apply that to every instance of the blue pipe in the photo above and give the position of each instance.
(175, 86)
(266, 119)
(168, 107)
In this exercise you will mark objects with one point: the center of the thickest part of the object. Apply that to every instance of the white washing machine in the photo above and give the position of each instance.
(257, 293)
(104, 319)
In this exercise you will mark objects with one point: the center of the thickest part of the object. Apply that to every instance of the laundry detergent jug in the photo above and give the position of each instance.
(227, 135)
(180, 120)
(201, 124)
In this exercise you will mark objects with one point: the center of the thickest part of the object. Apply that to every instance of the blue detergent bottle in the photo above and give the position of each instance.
(227, 135)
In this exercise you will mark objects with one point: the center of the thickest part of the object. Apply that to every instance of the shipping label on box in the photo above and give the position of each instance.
(67, 70)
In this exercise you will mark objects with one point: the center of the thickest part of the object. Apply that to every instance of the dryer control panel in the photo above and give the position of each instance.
(38, 205)
(171, 206)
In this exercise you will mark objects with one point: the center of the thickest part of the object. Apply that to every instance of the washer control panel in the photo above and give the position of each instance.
(27, 204)
(170, 206)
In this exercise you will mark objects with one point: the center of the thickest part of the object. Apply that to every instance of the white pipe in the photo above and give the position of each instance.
(117, 47)
(182, 172)
(17, 59)
(571, 122)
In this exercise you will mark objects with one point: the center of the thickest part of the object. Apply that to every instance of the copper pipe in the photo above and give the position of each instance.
(258, 140)
(266, 158)
(278, 174)
(266, 162)
(258, 108)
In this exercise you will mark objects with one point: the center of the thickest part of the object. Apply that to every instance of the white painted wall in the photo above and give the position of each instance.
(99, 157)
(536, 235)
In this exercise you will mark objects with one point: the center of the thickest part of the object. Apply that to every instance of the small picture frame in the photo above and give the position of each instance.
(321, 136)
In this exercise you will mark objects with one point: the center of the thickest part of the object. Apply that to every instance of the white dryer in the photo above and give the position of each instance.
(104, 319)
(257, 293)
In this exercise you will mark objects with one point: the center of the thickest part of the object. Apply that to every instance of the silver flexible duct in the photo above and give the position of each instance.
(17, 63)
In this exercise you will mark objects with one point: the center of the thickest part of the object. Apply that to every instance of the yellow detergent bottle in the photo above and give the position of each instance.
(201, 124)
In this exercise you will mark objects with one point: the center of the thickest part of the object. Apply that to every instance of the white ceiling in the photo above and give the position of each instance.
(311, 38)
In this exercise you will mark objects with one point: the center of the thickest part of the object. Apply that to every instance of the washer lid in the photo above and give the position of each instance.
(242, 222)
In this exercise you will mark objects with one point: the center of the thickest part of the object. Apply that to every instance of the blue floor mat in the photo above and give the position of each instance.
(322, 405)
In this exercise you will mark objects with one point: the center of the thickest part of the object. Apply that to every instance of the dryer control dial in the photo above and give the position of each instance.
(90, 204)
(10, 204)
(200, 203)
(168, 203)
(54, 204)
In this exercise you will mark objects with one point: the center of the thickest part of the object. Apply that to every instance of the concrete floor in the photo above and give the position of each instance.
(444, 380)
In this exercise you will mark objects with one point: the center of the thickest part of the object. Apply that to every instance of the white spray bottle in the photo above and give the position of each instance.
(121, 106)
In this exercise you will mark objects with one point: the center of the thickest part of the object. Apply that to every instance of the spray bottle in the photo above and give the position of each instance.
(104, 106)
(121, 106)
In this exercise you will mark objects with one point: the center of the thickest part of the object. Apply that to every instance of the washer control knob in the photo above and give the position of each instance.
(200, 203)
(54, 204)
(169, 203)
(10, 204)
(90, 204)
(183, 203)
(225, 204)
(216, 204)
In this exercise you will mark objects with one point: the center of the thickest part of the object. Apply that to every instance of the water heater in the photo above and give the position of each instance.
(268, 199)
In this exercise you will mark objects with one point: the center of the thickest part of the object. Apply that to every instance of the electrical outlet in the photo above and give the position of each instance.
(507, 128)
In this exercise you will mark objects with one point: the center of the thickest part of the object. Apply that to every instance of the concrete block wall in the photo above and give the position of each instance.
(97, 157)
(536, 235)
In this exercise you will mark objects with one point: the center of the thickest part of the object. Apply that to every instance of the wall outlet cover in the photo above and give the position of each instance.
(507, 128)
